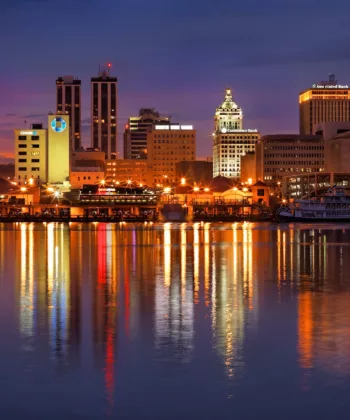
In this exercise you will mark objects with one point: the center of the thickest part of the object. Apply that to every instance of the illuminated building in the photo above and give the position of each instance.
(135, 135)
(298, 186)
(230, 140)
(68, 101)
(104, 113)
(288, 154)
(166, 146)
(58, 150)
(124, 170)
(30, 154)
(323, 102)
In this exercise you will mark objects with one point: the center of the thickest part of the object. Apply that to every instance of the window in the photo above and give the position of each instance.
(21, 168)
(22, 160)
(35, 153)
(35, 160)
(35, 138)
(34, 146)
(35, 169)
(22, 153)
(22, 137)
(22, 146)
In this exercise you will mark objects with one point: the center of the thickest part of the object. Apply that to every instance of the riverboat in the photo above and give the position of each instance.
(333, 206)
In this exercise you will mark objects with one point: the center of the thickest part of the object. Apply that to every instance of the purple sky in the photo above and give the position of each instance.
(175, 56)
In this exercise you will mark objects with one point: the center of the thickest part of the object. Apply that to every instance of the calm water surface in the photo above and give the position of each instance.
(243, 321)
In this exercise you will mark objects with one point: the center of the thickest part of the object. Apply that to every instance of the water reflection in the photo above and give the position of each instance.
(87, 296)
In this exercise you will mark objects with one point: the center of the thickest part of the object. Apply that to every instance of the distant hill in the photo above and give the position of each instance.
(5, 160)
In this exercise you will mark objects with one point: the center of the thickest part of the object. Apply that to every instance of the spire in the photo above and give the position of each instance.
(228, 95)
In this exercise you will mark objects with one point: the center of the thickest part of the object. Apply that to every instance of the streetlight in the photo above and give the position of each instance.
(206, 189)
(196, 189)
(183, 181)
(103, 182)
(31, 181)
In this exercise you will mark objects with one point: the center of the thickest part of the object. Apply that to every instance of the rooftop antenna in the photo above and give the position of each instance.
(109, 65)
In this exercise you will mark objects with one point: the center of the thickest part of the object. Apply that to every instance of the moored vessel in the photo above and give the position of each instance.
(333, 206)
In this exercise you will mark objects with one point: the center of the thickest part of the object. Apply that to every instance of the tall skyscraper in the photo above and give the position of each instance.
(324, 102)
(68, 101)
(104, 113)
(135, 135)
(230, 140)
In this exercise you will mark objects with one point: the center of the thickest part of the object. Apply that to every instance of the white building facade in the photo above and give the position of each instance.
(230, 140)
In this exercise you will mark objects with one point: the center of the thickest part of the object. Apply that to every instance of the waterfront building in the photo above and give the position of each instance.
(230, 140)
(124, 171)
(68, 101)
(30, 155)
(301, 185)
(166, 146)
(104, 113)
(58, 150)
(136, 129)
(281, 155)
(326, 101)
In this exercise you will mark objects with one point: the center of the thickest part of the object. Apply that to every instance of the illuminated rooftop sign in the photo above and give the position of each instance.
(330, 86)
(226, 130)
(58, 124)
(28, 133)
(174, 127)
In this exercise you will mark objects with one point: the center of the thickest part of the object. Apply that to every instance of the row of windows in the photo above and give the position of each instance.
(25, 138)
(87, 178)
(178, 136)
(33, 146)
(292, 162)
(239, 137)
(32, 153)
(22, 168)
(289, 155)
(295, 148)
(25, 160)
(285, 170)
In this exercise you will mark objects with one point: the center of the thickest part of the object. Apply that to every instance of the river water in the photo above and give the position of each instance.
(207, 321)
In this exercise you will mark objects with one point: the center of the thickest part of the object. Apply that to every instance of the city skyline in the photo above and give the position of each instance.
(266, 72)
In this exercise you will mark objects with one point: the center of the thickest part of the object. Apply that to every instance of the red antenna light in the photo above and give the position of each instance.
(109, 65)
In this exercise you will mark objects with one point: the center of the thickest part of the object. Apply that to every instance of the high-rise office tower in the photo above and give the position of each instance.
(68, 102)
(230, 140)
(135, 135)
(324, 102)
(104, 113)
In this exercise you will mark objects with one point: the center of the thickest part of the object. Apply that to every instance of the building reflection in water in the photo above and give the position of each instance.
(174, 298)
(323, 314)
(27, 295)
(86, 290)
(234, 296)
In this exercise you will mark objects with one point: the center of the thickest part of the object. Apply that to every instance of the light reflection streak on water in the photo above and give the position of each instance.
(207, 264)
(167, 254)
(27, 282)
(183, 259)
(196, 242)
